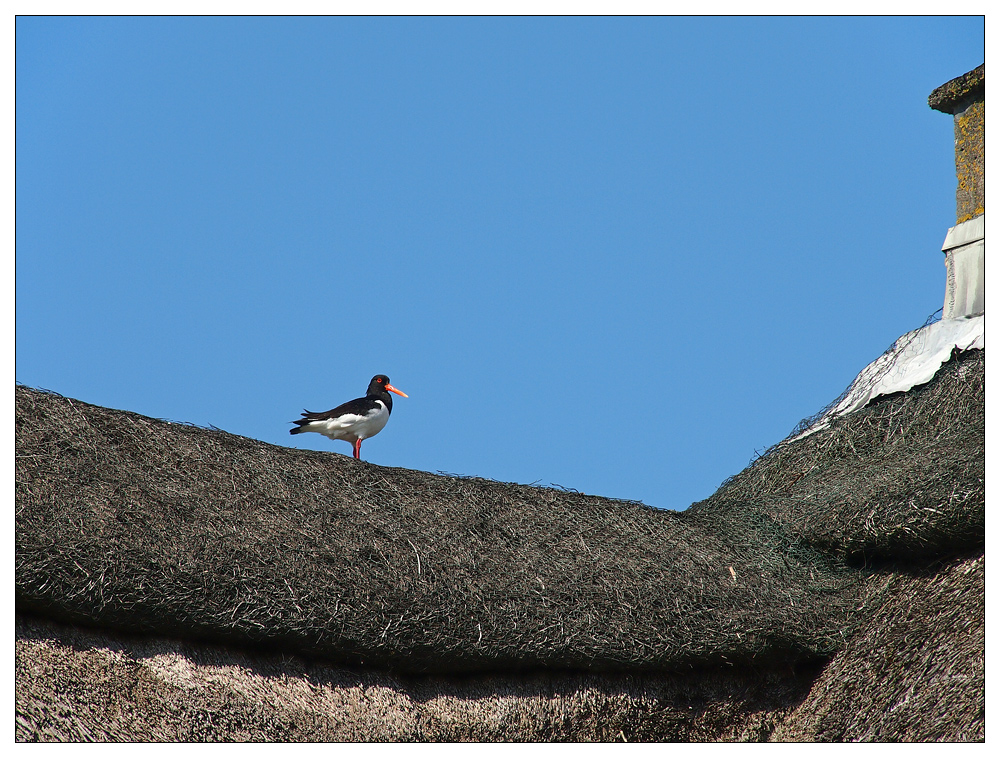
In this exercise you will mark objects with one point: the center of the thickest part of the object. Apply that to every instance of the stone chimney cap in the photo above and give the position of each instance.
(955, 96)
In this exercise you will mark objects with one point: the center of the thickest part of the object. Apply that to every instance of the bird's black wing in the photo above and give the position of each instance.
(357, 407)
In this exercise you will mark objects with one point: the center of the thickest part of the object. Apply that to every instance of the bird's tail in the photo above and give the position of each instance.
(306, 418)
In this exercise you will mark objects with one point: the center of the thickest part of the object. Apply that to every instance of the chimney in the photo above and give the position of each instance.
(965, 245)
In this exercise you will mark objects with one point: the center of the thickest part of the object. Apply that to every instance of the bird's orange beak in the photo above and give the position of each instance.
(393, 389)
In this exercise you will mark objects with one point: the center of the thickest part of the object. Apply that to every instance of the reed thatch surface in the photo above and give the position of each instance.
(916, 669)
(131, 525)
(144, 525)
(77, 684)
(904, 479)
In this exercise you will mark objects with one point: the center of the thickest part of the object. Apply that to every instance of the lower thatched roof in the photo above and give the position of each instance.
(915, 670)
(142, 526)
(83, 684)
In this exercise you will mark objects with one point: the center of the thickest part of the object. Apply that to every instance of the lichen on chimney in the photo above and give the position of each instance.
(965, 98)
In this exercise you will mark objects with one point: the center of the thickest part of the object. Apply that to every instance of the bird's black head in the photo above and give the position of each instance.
(380, 384)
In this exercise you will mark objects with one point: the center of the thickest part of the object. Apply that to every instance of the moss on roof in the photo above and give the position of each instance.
(956, 95)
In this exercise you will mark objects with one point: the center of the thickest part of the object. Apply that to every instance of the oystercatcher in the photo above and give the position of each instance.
(355, 420)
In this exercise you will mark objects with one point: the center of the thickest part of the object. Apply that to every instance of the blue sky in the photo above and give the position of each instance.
(617, 255)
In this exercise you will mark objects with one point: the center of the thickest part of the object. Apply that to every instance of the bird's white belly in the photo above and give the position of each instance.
(353, 427)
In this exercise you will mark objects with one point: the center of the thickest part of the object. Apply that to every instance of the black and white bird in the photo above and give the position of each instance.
(355, 420)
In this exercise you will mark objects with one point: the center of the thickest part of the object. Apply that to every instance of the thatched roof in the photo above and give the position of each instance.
(719, 619)
(75, 683)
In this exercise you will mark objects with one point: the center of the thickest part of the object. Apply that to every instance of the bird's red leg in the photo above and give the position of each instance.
(357, 450)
